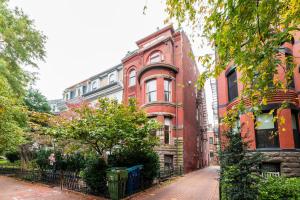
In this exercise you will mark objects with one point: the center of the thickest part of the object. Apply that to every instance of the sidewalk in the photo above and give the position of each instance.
(199, 185)
(12, 189)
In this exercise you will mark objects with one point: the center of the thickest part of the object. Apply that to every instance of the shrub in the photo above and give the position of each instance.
(12, 156)
(94, 174)
(42, 159)
(71, 162)
(239, 169)
(149, 159)
(75, 162)
(279, 188)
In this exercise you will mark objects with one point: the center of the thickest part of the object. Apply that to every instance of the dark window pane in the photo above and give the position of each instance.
(168, 162)
(296, 130)
(232, 85)
(167, 134)
(266, 139)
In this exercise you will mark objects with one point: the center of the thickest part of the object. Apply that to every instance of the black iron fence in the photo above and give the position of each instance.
(62, 179)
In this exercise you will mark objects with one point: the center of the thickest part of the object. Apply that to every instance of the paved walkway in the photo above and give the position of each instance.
(12, 189)
(198, 185)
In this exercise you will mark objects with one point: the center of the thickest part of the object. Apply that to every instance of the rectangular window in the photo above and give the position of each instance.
(151, 91)
(167, 90)
(168, 162)
(211, 154)
(132, 78)
(290, 66)
(211, 140)
(94, 85)
(155, 58)
(232, 85)
(266, 132)
(296, 130)
(72, 95)
(167, 130)
(270, 169)
(84, 89)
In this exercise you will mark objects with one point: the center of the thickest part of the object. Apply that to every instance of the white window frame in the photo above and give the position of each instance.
(168, 122)
(132, 77)
(156, 57)
(150, 91)
(168, 90)
(110, 79)
(94, 83)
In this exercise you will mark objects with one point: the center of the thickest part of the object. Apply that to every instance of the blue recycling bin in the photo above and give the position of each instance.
(134, 179)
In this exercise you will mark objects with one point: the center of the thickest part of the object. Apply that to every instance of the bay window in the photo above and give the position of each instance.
(167, 90)
(266, 131)
(151, 90)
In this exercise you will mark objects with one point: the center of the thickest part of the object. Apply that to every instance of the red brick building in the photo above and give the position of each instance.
(282, 151)
(161, 75)
(212, 146)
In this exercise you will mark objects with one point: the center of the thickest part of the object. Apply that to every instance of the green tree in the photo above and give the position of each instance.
(246, 33)
(108, 127)
(240, 174)
(20, 44)
(37, 102)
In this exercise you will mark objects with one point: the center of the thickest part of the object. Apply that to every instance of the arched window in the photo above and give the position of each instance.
(111, 78)
(132, 78)
(155, 57)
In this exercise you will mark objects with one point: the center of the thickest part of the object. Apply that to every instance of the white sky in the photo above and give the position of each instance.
(86, 37)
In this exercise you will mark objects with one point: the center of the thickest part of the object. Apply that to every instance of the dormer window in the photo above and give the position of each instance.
(132, 78)
(111, 78)
(155, 58)
(84, 89)
(94, 85)
(72, 94)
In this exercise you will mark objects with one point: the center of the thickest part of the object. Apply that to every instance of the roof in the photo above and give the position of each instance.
(97, 75)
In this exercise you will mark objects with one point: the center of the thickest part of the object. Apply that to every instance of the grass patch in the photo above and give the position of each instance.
(3, 162)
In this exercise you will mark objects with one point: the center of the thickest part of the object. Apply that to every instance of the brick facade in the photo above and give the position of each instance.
(163, 58)
(286, 153)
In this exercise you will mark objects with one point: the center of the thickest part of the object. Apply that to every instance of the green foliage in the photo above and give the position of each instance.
(70, 162)
(42, 158)
(94, 174)
(149, 159)
(37, 102)
(20, 44)
(12, 156)
(240, 172)
(75, 162)
(279, 188)
(109, 126)
(12, 117)
(243, 34)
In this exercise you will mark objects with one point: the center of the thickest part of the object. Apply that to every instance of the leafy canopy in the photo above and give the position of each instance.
(246, 33)
(37, 102)
(109, 126)
(20, 44)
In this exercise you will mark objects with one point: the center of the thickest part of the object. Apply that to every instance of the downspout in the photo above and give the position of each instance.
(176, 108)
